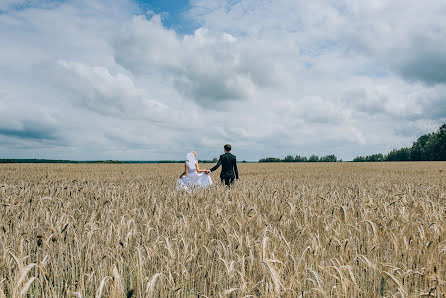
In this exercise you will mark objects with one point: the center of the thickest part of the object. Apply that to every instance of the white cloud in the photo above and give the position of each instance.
(408, 38)
(204, 66)
(108, 94)
(274, 78)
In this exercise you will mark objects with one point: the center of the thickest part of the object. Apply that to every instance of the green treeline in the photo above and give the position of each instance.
(34, 160)
(298, 158)
(429, 147)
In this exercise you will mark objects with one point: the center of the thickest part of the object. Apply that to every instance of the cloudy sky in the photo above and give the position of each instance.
(146, 80)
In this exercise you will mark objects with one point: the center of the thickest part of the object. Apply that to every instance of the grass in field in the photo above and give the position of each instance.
(340, 229)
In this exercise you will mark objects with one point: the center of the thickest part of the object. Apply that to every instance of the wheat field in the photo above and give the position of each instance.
(288, 229)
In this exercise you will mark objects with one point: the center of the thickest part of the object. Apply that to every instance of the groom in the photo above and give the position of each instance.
(229, 166)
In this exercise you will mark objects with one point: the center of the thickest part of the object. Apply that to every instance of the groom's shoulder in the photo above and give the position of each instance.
(227, 155)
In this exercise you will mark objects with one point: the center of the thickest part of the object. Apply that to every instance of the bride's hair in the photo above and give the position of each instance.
(195, 153)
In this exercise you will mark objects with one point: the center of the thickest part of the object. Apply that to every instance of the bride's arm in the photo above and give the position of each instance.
(185, 170)
(198, 169)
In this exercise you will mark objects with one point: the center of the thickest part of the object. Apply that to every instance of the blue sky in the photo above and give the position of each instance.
(173, 14)
(147, 80)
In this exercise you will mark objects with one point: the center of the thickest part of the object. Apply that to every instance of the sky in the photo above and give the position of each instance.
(150, 80)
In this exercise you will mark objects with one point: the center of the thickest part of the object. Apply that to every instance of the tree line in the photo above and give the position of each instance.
(298, 158)
(34, 160)
(428, 147)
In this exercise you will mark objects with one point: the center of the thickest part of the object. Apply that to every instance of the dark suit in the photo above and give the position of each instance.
(229, 169)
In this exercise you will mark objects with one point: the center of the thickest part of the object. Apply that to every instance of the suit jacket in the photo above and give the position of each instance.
(229, 166)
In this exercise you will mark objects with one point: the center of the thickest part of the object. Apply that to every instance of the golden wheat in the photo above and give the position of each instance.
(344, 229)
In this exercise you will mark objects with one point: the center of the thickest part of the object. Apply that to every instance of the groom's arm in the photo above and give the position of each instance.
(235, 167)
(216, 166)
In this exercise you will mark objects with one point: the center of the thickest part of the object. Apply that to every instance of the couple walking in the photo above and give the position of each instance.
(193, 176)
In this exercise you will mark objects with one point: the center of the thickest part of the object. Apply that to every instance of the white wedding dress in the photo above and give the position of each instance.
(192, 178)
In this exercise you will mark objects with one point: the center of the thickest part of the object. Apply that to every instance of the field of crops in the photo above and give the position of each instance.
(289, 229)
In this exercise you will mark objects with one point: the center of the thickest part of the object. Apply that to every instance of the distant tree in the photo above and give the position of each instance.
(441, 144)
(288, 158)
(379, 157)
(299, 158)
(375, 157)
(402, 154)
(270, 159)
(431, 146)
(328, 158)
(313, 158)
(418, 148)
(428, 147)
(359, 159)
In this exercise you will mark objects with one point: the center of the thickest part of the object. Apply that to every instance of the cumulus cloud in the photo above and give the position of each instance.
(205, 66)
(93, 80)
(99, 90)
(408, 38)
(29, 130)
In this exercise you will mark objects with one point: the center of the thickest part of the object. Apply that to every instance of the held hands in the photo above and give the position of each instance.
(206, 172)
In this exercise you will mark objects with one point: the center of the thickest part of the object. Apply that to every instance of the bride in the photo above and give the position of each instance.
(192, 175)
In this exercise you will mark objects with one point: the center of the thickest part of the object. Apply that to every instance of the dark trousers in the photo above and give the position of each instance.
(228, 181)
